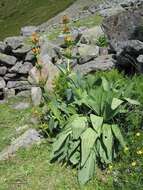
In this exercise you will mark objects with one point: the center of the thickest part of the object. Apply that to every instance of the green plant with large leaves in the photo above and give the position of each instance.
(87, 119)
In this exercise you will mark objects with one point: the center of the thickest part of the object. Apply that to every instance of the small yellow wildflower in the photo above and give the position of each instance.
(138, 134)
(126, 149)
(139, 152)
(110, 167)
(133, 163)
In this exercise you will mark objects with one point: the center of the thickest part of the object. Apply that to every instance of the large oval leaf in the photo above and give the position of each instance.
(59, 143)
(133, 102)
(108, 140)
(88, 170)
(116, 103)
(118, 135)
(96, 123)
(78, 126)
(88, 139)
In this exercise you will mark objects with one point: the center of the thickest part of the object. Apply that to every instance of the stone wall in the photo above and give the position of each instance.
(16, 60)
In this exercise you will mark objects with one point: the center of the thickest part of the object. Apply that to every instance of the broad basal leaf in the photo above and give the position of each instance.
(96, 123)
(73, 146)
(131, 101)
(78, 126)
(88, 170)
(118, 135)
(75, 158)
(100, 147)
(108, 140)
(59, 143)
(88, 139)
(116, 103)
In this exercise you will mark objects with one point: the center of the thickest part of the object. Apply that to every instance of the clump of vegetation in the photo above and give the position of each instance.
(89, 121)
(102, 41)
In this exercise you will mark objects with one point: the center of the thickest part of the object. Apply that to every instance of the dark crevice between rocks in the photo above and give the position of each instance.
(137, 34)
(1, 96)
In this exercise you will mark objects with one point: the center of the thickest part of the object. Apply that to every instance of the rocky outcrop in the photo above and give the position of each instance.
(124, 26)
(125, 34)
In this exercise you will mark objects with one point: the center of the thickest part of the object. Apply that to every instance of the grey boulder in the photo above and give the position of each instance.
(87, 53)
(9, 76)
(124, 26)
(29, 56)
(21, 106)
(22, 51)
(19, 85)
(3, 71)
(25, 68)
(140, 58)
(36, 95)
(101, 63)
(16, 67)
(14, 42)
(30, 137)
(28, 30)
(90, 36)
(2, 83)
(7, 60)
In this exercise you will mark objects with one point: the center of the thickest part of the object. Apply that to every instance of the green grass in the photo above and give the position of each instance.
(17, 13)
(88, 22)
(31, 169)
(10, 119)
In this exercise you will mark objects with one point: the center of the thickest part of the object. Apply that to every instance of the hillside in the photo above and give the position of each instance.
(17, 13)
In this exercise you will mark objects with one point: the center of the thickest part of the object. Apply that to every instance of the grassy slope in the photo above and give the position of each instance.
(30, 169)
(17, 13)
(9, 120)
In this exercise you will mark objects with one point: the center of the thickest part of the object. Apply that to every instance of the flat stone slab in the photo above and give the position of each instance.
(7, 60)
(101, 63)
(21, 106)
(30, 137)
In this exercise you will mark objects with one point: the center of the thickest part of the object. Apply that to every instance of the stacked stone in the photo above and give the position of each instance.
(16, 60)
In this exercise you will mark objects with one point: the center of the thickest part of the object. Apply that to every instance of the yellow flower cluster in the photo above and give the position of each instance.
(35, 38)
(68, 39)
(65, 19)
(139, 152)
(36, 50)
(35, 41)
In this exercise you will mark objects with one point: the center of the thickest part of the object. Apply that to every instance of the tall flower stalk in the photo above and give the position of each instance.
(36, 51)
(68, 39)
